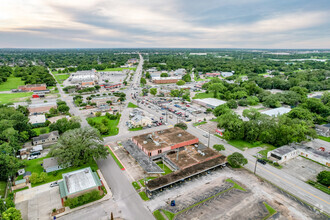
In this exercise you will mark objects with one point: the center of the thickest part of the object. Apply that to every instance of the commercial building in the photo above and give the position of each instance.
(46, 139)
(227, 74)
(79, 182)
(50, 165)
(87, 77)
(140, 120)
(287, 152)
(163, 80)
(277, 111)
(323, 130)
(41, 107)
(112, 85)
(213, 74)
(103, 100)
(162, 141)
(37, 119)
(209, 102)
(33, 87)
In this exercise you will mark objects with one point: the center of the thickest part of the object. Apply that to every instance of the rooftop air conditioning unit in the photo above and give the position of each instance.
(145, 142)
(179, 135)
(86, 171)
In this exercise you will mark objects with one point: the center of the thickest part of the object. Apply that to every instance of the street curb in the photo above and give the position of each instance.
(117, 158)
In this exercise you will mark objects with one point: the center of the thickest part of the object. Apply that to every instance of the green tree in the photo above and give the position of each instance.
(34, 178)
(221, 109)
(148, 76)
(236, 160)
(324, 178)
(63, 125)
(98, 114)
(143, 81)
(97, 87)
(12, 214)
(186, 78)
(181, 125)
(153, 91)
(63, 108)
(180, 83)
(251, 114)
(164, 75)
(145, 91)
(79, 146)
(8, 164)
(53, 111)
(219, 147)
(216, 88)
(232, 104)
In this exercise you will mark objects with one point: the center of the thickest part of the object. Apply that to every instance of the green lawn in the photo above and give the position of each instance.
(144, 196)
(158, 215)
(11, 83)
(17, 190)
(203, 95)
(199, 123)
(131, 105)
(240, 144)
(37, 130)
(3, 185)
(265, 151)
(136, 185)
(34, 166)
(319, 186)
(236, 185)
(165, 168)
(117, 69)
(116, 159)
(147, 178)
(135, 129)
(324, 138)
(112, 125)
(14, 97)
(271, 211)
(61, 77)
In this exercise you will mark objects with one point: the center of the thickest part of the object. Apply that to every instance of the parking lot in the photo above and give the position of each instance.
(303, 169)
(38, 202)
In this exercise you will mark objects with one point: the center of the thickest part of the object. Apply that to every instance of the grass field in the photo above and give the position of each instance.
(37, 130)
(14, 97)
(17, 190)
(135, 129)
(112, 125)
(144, 196)
(240, 144)
(199, 123)
(60, 78)
(271, 211)
(148, 178)
(136, 185)
(34, 166)
(117, 69)
(236, 185)
(324, 138)
(3, 185)
(203, 95)
(158, 215)
(11, 83)
(265, 151)
(131, 105)
(116, 159)
(165, 168)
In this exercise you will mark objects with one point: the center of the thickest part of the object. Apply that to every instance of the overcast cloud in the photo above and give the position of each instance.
(170, 23)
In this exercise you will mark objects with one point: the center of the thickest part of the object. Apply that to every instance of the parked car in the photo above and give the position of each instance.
(31, 157)
(54, 184)
(262, 161)
(163, 113)
(206, 135)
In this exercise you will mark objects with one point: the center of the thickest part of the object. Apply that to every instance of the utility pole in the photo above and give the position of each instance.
(208, 142)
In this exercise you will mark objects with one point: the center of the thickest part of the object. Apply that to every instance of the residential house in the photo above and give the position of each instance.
(46, 139)
(323, 130)
(50, 165)
(227, 74)
(37, 119)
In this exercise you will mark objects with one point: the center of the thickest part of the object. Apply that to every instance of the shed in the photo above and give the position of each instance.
(51, 164)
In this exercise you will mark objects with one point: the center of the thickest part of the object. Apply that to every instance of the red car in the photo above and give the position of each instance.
(187, 105)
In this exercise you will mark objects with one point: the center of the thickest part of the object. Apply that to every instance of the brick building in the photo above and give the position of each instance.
(162, 141)
(112, 86)
(41, 107)
(33, 87)
(163, 80)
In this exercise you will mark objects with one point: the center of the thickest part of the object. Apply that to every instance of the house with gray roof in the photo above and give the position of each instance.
(323, 130)
(46, 139)
(50, 165)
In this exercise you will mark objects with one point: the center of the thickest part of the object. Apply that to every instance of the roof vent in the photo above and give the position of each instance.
(179, 135)
(145, 142)
(86, 171)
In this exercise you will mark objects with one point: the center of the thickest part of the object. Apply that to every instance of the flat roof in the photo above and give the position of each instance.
(164, 138)
(49, 162)
(37, 105)
(283, 150)
(79, 180)
(35, 119)
(166, 78)
(277, 111)
(212, 101)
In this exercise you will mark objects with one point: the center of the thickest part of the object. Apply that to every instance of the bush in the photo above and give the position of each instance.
(98, 114)
(232, 104)
(181, 125)
(83, 199)
(324, 178)
(243, 102)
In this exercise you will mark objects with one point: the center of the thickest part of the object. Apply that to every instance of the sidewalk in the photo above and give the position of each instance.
(106, 197)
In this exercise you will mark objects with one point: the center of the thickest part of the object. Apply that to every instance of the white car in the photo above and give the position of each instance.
(54, 184)
(32, 157)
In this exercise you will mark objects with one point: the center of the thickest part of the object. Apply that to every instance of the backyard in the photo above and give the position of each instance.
(110, 124)
(34, 166)
(37, 130)
(14, 97)
(11, 83)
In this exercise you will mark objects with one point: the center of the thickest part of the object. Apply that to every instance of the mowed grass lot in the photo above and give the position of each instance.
(11, 83)
(240, 144)
(203, 95)
(37, 130)
(3, 185)
(112, 125)
(14, 97)
(34, 166)
(131, 105)
(117, 69)
(324, 138)
(164, 167)
(60, 78)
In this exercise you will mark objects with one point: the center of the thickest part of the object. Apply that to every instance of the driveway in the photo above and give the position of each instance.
(38, 202)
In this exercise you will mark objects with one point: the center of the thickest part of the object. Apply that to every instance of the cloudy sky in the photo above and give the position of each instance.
(165, 23)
